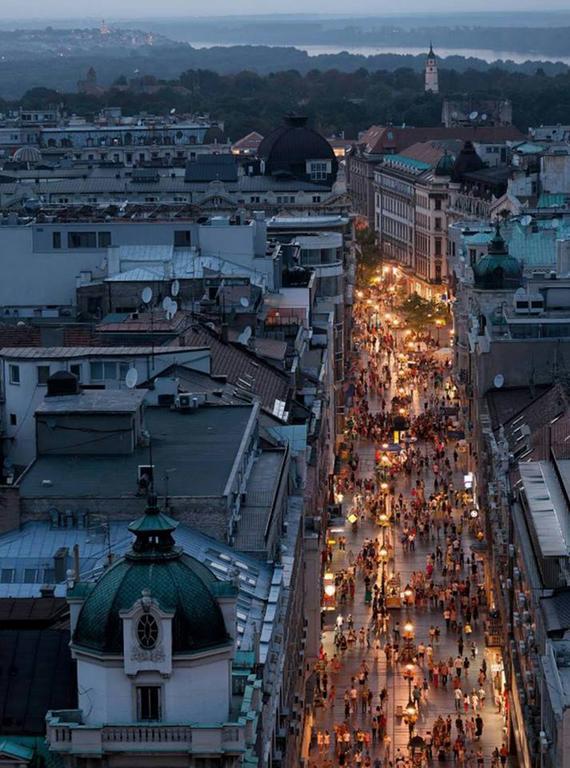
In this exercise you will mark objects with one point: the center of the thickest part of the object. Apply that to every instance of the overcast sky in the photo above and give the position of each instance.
(19, 9)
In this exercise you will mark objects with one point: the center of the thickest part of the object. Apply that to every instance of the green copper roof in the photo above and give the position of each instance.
(178, 583)
(497, 270)
(549, 200)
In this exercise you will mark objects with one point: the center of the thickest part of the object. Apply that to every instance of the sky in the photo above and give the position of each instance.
(109, 9)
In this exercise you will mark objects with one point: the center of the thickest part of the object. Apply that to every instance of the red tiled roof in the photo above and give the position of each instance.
(249, 142)
(381, 139)
(31, 336)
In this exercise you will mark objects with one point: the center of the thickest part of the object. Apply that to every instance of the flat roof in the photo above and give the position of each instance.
(547, 507)
(95, 401)
(197, 450)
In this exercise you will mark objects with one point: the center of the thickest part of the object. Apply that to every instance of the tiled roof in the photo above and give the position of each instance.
(34, 336)
(431, 152)
(49, 353)
(240, 366)
(382, 139)
(249, 142)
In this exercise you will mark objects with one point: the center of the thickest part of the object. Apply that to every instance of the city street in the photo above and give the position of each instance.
(425, 532)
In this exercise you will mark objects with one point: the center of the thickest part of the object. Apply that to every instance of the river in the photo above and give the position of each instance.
(486, 54)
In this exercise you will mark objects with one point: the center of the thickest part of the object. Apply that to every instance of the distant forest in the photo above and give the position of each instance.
(334, 101)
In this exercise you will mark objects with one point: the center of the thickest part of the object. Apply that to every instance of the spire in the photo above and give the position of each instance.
(497, 246)
(153, 533)
(431, 54)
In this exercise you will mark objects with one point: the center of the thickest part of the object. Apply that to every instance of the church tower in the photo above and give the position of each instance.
(431, 77)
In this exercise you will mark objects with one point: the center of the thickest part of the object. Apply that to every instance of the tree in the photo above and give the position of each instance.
(419, 314)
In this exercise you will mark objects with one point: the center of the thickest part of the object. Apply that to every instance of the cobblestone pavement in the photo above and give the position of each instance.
(439, 701)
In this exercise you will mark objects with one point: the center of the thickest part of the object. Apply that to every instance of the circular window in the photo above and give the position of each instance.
(147, 631)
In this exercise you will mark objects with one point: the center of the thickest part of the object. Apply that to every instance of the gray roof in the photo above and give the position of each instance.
(197, 449)
(95, 401)
(56, 353)
(165, 184)
(35, 544)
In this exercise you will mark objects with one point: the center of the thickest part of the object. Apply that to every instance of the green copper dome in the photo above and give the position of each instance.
(498, 270)
(177, 582)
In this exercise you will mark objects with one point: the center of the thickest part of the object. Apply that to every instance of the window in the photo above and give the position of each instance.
(43, 373)
(13, 420)
(104, 239)
(437, 222)
(49, 576)
(255, 199)
(96, 370)
(438, 247)
(148, 702)
(76, 371)
(316, 198)
(82, 240)
(123, 370)
(437, 202)
(56, 239)
(182, 238)
(147, 631)
(318, 171)
(7, 576)
(14, 373)
(30, 575)
(109, 370)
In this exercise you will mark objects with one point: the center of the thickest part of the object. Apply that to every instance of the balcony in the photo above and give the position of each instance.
(66, 733)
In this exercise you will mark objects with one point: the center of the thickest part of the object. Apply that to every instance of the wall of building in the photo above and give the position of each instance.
(555, 173)
(192, 694)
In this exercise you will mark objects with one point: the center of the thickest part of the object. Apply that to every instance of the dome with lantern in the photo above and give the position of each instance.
(157, 570)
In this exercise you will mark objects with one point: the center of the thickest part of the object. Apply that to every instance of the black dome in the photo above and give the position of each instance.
(467, 161)
(287, 148)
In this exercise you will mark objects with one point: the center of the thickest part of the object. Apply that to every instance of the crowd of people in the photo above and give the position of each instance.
(404, 402)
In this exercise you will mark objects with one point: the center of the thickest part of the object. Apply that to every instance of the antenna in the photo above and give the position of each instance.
(131, 378)
(175, 288)
(499, 380)
(474, 115)
(146, 295)
(245, 336)
(244, 301)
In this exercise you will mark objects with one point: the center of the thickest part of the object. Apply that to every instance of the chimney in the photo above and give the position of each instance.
(76, 561)
(60, 564)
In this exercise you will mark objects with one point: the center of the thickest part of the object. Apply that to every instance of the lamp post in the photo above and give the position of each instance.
(409, 651)
(411, 716)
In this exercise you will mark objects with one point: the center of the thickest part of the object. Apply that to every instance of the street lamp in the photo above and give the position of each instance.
(409, 651)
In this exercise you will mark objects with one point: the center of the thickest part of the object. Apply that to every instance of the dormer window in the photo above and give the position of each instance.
(147, 631)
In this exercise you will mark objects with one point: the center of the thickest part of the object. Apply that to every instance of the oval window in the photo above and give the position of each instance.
(147, 631)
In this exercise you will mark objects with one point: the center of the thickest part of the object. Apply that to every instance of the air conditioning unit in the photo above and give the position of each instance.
(516, 618)
(185, 402)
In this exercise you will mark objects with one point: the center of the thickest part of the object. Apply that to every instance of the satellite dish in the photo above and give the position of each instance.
(526, 220)
(454, 115)
(555, 223)
(245, 336)
(474, 115)
(173, 111)
(499, 380)
(483, 116)
(173, 308)
(175, 288)
(244, 301)
(146, 295)
(166, 303)
(131, 378)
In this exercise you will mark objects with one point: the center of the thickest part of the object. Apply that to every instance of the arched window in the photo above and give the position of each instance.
(147, 631)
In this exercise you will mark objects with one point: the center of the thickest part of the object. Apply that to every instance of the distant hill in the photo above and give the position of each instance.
(58, 58)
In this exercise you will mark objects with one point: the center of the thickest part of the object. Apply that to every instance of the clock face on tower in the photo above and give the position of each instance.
(147, 631)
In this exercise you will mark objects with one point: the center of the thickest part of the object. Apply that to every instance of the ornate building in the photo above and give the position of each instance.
(154, 643)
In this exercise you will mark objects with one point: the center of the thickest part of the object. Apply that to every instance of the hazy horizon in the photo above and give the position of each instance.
(27, 10)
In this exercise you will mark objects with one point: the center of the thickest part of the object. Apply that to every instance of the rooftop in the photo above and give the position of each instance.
(198, 451)
(58, 353)
(547, 507)
(95, 401)
(36, 543)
